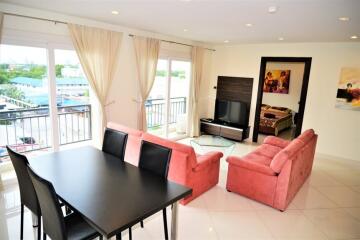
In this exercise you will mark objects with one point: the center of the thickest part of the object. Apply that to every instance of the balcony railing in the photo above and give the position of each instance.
(156, 111)
(30, 129)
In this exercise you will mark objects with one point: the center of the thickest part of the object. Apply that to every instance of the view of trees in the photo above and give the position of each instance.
(8, 72)
(163, 73)
(12, 92)
(58, 68)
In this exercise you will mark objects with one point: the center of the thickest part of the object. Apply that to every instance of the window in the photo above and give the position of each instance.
(167, 104)
(23, 95)
(29, 106)
(72, 98)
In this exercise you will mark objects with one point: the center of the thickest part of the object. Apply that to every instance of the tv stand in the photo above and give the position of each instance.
(221, 129)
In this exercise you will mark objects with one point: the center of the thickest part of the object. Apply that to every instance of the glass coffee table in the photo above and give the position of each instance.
(208, 143)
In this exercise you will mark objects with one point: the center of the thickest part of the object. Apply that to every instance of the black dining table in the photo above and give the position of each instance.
(110, 194)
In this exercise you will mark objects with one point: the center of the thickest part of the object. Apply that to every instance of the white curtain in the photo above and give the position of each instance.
(1, 23)
(147, 55)
(98, 52)
(197, 66)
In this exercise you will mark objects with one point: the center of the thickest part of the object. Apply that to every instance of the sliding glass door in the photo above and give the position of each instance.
(24, 114)
(167, 104)
(44, 98)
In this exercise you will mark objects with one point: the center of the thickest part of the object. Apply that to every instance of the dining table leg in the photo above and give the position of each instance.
(34, 220)
(174, 221)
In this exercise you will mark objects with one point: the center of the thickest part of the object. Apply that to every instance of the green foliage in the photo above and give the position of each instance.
(163, 73)
(86, 93)
(179, 74)
(21, 70)
(3, 77)
(58, 68)
(12, 92)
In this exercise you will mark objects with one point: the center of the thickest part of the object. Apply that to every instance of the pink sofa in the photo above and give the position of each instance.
(275, 171)
(199, 172)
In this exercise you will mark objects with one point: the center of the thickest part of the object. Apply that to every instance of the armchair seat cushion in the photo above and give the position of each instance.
(257, 158)
(268, 150)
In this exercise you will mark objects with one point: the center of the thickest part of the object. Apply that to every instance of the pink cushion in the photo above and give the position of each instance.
(123, 128)
(267, 150)
(275, 141)
(175, 146)
(132, 150)
(286, 154)
(257, 158)
(250, 165)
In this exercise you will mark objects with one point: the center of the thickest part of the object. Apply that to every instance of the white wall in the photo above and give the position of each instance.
(291, 99)
(339, 130)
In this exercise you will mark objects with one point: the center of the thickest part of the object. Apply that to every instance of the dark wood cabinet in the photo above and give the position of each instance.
(237, 134)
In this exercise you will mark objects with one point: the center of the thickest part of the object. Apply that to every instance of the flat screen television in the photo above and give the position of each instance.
(232, 113)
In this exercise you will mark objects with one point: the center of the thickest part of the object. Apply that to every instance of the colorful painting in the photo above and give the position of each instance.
(277, 81)
(348, 93)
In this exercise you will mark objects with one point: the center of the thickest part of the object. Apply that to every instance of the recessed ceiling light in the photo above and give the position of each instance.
(281, 39)
(185, 30)
(344, 19)
(114, 12)
(226, 41)
(272, 9)
(249, 25)
(354, 37)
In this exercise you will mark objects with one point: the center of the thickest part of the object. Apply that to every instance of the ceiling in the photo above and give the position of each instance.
(215, 21)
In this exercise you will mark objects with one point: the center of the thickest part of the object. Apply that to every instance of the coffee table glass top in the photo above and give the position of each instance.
(213, 141)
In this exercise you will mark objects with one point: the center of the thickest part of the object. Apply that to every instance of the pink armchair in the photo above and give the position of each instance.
(275, 171)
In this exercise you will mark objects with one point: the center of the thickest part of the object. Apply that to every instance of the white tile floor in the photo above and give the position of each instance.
(327, 207)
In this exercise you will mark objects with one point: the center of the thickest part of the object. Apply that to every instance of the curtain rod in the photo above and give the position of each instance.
(184, 44)
(55, 21)
(37, 18)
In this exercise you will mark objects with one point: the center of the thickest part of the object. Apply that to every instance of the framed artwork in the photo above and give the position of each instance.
(348, 92)
(277, 81)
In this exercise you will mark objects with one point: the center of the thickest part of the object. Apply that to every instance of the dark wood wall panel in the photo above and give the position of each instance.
(234, 89)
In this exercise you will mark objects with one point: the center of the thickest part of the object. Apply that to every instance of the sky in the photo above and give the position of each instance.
(25, 55)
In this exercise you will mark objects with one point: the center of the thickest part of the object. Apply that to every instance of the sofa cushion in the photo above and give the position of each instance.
(176, 147)
(267, 150)
(132, 149)
(257, 158)
(286, 154)
(122, 128)
(275, 141)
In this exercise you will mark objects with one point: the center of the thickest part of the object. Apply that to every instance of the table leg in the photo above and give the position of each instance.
(105, 238)
(34, 220)
(174, 221)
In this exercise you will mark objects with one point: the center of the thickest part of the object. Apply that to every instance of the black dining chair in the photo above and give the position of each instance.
(55, 225)
(115, 143)
(156, 159)
(27, 192)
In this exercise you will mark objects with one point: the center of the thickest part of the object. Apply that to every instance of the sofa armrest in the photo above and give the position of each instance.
(253, 166)
(275, 141)
(203, 161)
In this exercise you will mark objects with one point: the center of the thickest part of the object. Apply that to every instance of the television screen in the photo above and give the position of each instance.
(231, 112)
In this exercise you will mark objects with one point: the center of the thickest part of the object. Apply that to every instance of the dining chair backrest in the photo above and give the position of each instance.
(53, 219)
(115, 143)
(155, 158)
(27, 192)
